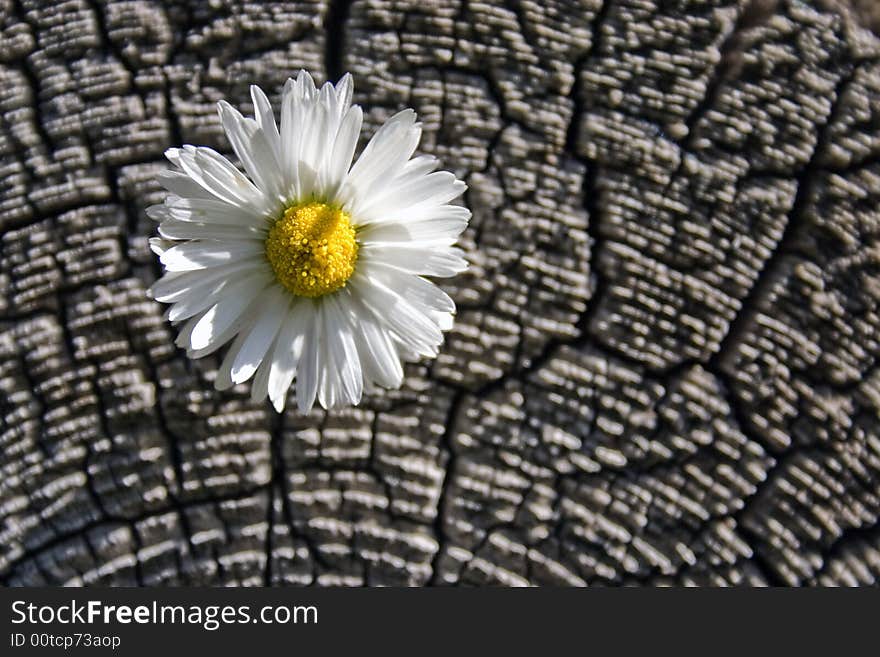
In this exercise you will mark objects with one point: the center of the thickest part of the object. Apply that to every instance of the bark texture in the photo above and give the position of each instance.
(665, 363)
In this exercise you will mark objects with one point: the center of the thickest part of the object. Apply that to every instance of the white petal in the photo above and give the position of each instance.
(344, 359)
(210, 211)
(443, 319)
(424, 296)
(344, 91)
(417, 259)
(202, 254)
(158, 212)
(379, 358)
(185, 333)
(304, 86)
(337, 165)
(175, 229)
(223, 380)
(385, 154)
(184, 338)
(312, 137)
(414, 289)
(198, 299)
(388, 140)
(421, 165)
(445, 225)
(235, 301)
(172, 286)
(294, 121)
(307, 374)
(215, 173)
(433, 189)
(269, 315)
(412, 327)
(328, 98)
(260, 386)
(317, 141)
(182, 185)
(173, 156)
(424, 212)
(288, 349)
(159, 246)
(253, 150)
(231, 331)
(265, 118)
(329, 385)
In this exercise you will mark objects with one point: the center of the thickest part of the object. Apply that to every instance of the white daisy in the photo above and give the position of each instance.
(311, 266)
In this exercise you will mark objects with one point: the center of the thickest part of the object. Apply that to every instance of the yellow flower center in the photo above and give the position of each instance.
(312, 249)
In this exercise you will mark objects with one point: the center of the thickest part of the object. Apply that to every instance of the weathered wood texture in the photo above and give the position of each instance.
(867, 12)
(664, 367)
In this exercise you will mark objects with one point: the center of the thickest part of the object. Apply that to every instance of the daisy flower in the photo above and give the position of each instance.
(312, 267)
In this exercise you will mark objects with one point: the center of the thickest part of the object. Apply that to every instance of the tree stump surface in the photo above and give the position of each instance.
(664, 367)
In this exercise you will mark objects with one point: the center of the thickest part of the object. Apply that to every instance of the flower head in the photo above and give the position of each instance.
(312, 267)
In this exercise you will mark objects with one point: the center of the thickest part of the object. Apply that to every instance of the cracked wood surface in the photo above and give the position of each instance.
(664, 367)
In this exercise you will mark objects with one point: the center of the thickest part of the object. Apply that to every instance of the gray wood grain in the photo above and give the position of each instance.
(664, 367)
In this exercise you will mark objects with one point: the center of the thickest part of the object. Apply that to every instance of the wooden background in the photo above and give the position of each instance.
(664, 367)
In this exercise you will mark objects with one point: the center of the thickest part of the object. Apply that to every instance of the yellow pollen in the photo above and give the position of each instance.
(312, 249)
